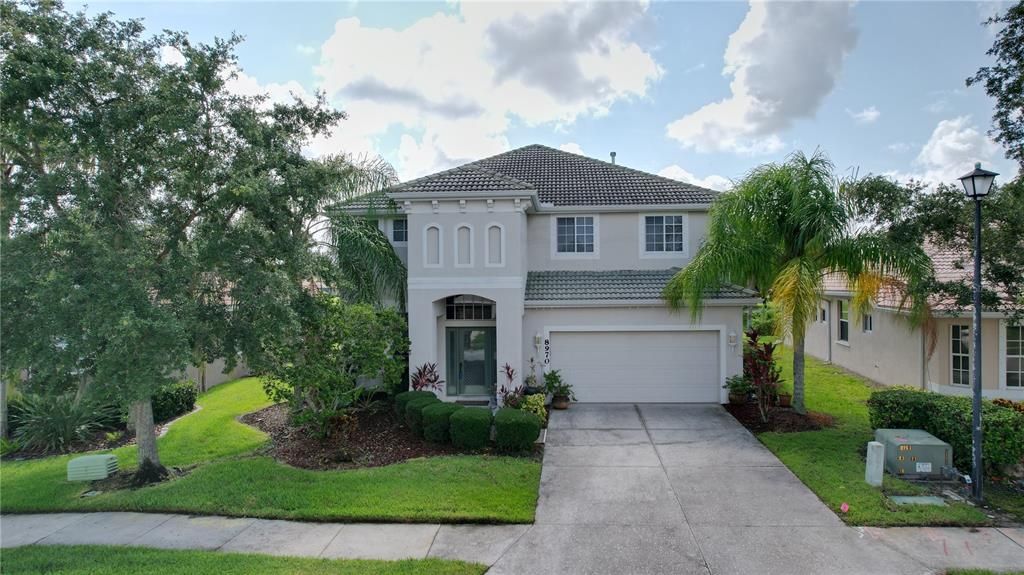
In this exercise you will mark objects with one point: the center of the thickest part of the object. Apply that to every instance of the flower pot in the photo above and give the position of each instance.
(560, 402)
(785, 399)
(737, 398)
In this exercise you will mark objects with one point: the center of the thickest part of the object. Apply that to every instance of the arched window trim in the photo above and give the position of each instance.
(487, 245)
(426, 246)
(455, 244)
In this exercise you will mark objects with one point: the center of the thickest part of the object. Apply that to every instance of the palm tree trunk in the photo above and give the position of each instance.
(145, 434)
(798, 372)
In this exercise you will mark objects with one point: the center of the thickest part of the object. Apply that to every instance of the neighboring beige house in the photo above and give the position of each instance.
(539, 253)
(882, 345)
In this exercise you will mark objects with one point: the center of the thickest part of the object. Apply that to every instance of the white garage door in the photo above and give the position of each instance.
(639, 366)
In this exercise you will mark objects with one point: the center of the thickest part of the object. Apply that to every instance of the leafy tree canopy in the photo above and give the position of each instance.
(1004, 81)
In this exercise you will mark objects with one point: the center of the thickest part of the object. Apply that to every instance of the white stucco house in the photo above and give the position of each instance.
(540, 253)
(883, 346)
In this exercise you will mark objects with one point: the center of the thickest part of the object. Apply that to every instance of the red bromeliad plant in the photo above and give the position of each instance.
(510, 396)
(759, 366)
(426, 377)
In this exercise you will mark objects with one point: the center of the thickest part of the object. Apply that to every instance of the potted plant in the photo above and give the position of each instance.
(530, 386)
(785, 397)
(561, 392)
(739, 389)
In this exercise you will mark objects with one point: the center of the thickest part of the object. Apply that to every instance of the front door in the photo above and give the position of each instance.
(472, 369)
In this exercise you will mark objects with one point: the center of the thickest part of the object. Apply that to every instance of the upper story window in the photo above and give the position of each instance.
(399, 231)
(574, 235)
(1014, 356)
(960, 354)
(844, 320)
(664, 234)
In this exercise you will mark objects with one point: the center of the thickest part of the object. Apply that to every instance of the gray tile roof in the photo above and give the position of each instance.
(378, 201)
(561, 179)
(611, 285)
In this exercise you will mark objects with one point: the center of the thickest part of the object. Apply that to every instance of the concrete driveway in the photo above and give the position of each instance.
(673, 488)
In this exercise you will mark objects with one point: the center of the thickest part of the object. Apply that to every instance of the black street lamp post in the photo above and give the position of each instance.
(977, 185)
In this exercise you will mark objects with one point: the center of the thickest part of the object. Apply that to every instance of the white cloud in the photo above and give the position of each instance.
(453, 83)
(305, 49)
(171, 55)
(714, 181)
(784, 59)
(951, 151)
(572, 148)
(937, 106)
(898, 147)
(868, 115)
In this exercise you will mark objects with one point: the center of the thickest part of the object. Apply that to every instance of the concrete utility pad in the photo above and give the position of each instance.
(188, 532)
(381, 541)
(107, 529)
(603, 549)
(476, 543)
(288, 538)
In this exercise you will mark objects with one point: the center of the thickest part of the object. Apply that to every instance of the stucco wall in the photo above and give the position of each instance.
(618, 237)
(939, 374)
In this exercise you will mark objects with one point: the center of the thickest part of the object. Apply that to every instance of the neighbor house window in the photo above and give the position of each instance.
(960, 352)
(844, 320)
(469, 307)
(823, 314)
(868, 323)
(663, 234)
(1014, 356)
(575, 235)
(399, 231)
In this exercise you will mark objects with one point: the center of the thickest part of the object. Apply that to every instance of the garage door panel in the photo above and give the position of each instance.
(671, 366)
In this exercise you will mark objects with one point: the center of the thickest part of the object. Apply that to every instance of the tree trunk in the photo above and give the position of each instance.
(3, 408)
(798, 372)
(145, 433)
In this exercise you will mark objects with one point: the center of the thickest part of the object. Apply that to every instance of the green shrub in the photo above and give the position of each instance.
(436, 421)
(515, 429)
(174, 400)
(414, 413)
(949, 418)
(535, 404)
(403, 399)
(56, 422)
(470, 428)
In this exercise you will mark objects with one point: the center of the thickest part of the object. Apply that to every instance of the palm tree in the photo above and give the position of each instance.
(782, 229)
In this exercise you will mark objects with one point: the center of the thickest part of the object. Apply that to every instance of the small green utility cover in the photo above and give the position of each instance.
(92, 467)
(917, 500)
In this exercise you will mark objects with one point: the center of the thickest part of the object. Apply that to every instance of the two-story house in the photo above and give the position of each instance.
(539, 253)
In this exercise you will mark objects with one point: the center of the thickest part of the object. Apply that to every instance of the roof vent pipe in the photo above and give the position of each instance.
(613, 157)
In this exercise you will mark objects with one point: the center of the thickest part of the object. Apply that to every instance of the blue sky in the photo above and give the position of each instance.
(697, 91)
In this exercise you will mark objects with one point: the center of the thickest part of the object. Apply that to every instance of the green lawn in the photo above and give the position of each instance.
(102, 560)
(830, 463)
(230, 479)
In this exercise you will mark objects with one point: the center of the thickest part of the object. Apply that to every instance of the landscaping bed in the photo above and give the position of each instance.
(374, 439)
(780, 420)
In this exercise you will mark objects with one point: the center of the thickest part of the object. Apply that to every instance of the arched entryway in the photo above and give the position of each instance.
(470, 346)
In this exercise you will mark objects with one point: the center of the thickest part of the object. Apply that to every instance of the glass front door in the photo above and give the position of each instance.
(472, 369)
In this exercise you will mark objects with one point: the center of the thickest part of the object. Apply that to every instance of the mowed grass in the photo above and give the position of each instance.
(831, 462)
(229, 478)
(103, 560)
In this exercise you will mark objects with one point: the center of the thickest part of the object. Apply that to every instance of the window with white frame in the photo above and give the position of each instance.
(400, 231)
(844, 320)
(867, 323)
(823, 314)
(960, 354)
(664, 234)
(1015, 356)
(575, 235)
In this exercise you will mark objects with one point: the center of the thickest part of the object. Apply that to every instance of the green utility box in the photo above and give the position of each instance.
(92, 467)
(915, 454)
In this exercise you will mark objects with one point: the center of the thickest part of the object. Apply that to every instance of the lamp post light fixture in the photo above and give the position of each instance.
(977, 185)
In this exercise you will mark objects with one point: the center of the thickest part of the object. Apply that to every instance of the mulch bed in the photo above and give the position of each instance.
(375, 440)
(783, 420)
(97, 442)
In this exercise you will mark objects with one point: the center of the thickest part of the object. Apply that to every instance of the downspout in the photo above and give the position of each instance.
(828, 328)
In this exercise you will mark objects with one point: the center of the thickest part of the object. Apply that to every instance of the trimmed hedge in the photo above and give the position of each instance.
(470, 428)
(436, 421)
(949, 418)
(174, 400)
(515, 429)
(414, 412)
(402, 399)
